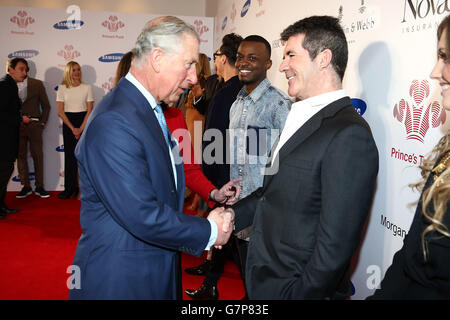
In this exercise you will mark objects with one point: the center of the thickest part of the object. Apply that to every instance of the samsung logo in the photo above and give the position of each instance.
(245, 8)
(23, 54)
(30, 177)
(224, 23)
(68, 24)
(359, 105)
(111, 57)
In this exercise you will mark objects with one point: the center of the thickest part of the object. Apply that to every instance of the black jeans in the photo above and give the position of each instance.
(70, 162)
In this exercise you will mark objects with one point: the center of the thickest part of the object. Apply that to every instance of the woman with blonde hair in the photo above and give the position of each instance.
(421, 268)
(75, 102)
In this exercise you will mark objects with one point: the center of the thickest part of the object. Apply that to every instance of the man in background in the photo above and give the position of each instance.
(10, 119)
(309, 214)
(35, 112)
(256, 120)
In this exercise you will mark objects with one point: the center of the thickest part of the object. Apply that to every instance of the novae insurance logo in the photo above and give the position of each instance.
(421, 9)
(417, 118)
(422, 15)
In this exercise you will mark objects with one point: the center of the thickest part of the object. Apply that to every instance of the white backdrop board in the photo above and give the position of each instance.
(49, 38)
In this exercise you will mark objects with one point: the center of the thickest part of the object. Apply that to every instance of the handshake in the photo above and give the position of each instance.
(224, 218)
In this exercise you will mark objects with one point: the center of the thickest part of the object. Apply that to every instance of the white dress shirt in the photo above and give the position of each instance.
(22, 86)
(302, 111)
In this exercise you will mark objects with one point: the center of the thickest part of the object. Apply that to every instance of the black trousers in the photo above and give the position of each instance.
(6, 169)
(219, 258)
(70, 162)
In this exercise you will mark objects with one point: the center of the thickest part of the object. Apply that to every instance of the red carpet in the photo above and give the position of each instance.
(38, 243)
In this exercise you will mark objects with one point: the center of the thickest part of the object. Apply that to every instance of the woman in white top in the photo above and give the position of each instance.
(75, 102)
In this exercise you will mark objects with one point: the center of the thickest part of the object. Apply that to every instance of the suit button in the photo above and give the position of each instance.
(263, 198)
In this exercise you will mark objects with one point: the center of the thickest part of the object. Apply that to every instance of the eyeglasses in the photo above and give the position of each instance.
(216, 54)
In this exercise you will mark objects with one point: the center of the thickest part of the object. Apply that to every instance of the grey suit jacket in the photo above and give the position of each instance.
(308, 217)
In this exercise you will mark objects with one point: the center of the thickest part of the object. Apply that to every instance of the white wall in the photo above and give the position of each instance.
(162, 7)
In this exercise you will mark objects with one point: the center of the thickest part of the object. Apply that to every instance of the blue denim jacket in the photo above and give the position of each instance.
(256, 120)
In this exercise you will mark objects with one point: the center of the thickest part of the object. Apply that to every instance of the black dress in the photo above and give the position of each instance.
(410, 276)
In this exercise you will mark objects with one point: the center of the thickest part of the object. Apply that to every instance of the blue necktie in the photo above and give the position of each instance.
(163, 124)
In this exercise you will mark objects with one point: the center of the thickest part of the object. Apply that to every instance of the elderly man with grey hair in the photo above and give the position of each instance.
(132, 182)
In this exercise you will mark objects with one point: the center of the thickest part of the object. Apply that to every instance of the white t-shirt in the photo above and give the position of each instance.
(75, 98)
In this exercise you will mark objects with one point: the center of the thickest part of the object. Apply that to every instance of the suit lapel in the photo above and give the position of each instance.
(29, 89)
(150, 119)
(305, 131)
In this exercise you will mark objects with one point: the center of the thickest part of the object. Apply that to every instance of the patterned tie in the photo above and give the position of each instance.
(163, 124)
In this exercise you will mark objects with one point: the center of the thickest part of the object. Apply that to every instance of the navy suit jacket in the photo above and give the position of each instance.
(131, 217)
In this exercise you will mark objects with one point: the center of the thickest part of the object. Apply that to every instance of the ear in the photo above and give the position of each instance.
(155, 59)
(223, 59)
(324, 58)
(268, 64)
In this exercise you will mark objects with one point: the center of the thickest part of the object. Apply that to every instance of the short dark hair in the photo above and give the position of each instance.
(322, 32)
(230, 45)
(12, 63)
(256, 38)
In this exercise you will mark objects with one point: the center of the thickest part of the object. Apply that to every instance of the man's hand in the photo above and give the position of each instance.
(26, 119)
(224, 218)
(228, 194)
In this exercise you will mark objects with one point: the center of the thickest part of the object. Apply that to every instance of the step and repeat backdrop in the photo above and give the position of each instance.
(49, 38)
(392, 50)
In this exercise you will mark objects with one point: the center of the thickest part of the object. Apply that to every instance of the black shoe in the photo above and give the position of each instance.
(2, 215)
(8, 210)
(205, 292)
(26, 191)
(66, 194)
(200, 270)
(40, 191)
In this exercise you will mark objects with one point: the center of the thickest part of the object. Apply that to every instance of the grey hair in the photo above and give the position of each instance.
(165, 32)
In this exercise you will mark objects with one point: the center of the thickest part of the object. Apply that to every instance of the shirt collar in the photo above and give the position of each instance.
(142, 90)
(23, 84)
(257, 92)
(321, 100)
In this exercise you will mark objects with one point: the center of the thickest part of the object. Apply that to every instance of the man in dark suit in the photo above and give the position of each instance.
(132, 178)
(35, 112)
(309, 214)
(9, 125)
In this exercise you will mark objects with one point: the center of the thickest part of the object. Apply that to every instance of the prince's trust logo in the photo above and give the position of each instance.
(22, 19)
(113, 24)
(417, 118)
(68, 53)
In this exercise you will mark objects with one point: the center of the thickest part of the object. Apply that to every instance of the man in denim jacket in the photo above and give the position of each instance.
(256, 120)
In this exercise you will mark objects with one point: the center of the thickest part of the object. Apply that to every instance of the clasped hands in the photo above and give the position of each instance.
(228, 194)
(224, 218)
(77, 132)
